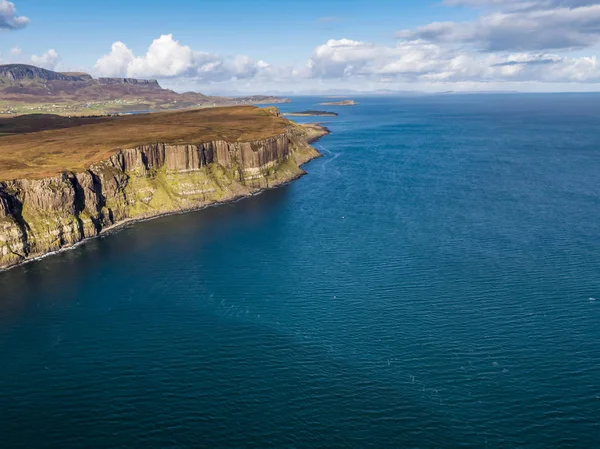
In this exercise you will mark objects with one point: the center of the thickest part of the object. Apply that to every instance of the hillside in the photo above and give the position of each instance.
(27, 89)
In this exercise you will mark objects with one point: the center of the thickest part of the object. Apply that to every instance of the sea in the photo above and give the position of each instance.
(432, 282)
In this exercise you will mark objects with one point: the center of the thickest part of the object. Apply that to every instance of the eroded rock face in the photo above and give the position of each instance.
(18, 72)
(152, 84)
(45, 215)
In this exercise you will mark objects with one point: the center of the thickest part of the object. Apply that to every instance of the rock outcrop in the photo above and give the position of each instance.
(39, 216)
(21, 72)
(152, 84)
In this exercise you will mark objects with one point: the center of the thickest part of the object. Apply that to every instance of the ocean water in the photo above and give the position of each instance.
(433, 282)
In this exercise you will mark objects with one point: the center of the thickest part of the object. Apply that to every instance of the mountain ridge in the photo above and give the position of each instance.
(29, 89)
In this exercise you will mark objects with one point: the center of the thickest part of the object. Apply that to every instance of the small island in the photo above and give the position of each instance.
(339, 103)
(311, 114)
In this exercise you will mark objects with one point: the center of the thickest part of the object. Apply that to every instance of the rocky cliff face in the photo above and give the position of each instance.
(46, 215)
(153, 84)
(20, 72)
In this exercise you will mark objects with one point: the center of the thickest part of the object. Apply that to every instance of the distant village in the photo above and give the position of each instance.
(100, 106)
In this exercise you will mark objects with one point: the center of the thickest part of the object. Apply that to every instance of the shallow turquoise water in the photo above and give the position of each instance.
(430, 283)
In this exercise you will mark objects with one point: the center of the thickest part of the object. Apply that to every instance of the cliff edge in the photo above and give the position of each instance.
(46, 208)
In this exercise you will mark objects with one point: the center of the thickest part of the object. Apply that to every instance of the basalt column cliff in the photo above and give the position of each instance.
(42, 214)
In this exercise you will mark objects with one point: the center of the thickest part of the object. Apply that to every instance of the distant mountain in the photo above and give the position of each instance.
(23, 73)
(25, 88)
(345, 93)
(152, 84)
(478, 92)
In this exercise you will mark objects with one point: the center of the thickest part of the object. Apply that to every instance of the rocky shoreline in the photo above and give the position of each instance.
(311, 114)
(43, 216)
(132, 221)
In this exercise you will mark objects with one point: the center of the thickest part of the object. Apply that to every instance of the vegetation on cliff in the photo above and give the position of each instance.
(64, 185)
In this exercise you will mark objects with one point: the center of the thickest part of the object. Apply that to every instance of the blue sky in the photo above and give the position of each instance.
(283, 31)
(266, 45)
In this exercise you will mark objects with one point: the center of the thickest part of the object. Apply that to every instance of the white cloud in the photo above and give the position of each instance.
(513, 43)
(116, 62)
(343, 58)
(48, 60)
(351, 62)
(165, 58)
(168, 58)
(420, 61)
(535, 25)
(8, 16)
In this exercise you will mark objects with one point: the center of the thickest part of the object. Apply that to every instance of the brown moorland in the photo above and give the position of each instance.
(42, 122)
(78, 143)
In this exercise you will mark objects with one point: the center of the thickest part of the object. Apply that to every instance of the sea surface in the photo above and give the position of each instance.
(434, 281)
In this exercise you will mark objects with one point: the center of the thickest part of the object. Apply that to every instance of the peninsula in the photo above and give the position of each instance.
(65, 180)
(339, 103)
(311, 114)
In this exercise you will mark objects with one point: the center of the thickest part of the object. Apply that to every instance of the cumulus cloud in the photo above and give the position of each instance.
(116, 63)
(421, 61)
(48, 60)
(168, 58)
(345, 58)
(8, 16)
(512, 40)
(353, 62)
(523, 42)
(519, 26)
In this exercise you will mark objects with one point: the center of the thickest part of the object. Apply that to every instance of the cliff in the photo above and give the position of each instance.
(38, 216)
(21, 72)
(153, 84)
(81, 75)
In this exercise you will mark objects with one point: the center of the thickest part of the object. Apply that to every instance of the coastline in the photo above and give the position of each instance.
(310, 114)
(319, 132)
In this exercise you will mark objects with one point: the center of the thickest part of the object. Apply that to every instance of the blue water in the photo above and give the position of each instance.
(430, 283)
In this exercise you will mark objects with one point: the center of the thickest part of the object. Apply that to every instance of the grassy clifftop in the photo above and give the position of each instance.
(66, 180)
(39, 146)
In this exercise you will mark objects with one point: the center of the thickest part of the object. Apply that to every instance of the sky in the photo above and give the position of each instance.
(272, 46)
